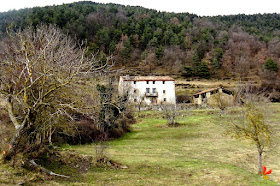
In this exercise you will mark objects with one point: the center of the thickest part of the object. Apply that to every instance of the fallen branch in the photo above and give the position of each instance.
(46, 170)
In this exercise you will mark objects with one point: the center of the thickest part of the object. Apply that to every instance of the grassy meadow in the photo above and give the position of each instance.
(197, 152)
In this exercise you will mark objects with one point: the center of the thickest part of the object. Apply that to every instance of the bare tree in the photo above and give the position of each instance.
(139, 100)
(221, 101)
(253, 126)
(114, 112)
(251, 123)
(37, 71)
(169, 113)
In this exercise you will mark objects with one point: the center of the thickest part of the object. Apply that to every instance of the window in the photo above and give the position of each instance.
(135, 100)
(164, 99)
(147, 82)
(203, 95)
(163, 82)
(135, 90)
(147, 90)
(226, 91)
(164, 91)
(154, 82)
(134, 82)
(154, 90)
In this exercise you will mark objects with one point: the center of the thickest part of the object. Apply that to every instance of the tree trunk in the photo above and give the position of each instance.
(49, 133)
(11, 114)
(19, 127)
(19, 132)
(260, 162)
(221, 112)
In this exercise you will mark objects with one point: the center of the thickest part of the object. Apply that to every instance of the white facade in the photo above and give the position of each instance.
(150, 90)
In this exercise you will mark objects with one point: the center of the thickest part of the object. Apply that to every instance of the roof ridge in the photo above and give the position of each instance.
(147, 78)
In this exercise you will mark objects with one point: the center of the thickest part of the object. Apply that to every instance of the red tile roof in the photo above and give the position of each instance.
(147, 78)
(206, 91)
(209, 90)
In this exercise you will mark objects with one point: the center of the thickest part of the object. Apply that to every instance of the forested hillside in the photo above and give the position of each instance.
(184, 44)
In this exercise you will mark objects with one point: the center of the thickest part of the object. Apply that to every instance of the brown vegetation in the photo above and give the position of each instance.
(43, 78)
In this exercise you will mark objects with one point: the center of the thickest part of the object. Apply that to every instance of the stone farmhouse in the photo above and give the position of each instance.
(149, 90)
(202, 97)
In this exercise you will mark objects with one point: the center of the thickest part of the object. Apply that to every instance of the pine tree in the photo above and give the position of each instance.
(195, 63)
(217, 58)
(188, 71)
(271, 65)
(159, 52)
(203, 70)
(126, 49)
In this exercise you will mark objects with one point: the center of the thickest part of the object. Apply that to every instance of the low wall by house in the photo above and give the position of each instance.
(179, 106)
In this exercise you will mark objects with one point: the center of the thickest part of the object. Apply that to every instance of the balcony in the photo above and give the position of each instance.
(155, 94)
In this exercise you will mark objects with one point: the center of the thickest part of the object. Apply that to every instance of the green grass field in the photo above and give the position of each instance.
(197, 152)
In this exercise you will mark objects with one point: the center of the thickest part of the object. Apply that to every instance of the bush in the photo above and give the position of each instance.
(88, 130)
(183, 99)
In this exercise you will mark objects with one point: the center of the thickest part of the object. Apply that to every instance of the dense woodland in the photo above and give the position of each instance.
(146, 40)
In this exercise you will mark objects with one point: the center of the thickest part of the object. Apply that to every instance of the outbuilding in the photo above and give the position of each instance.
(203, 96)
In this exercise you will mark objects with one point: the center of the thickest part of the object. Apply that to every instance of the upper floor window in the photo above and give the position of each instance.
(154, 90)
(134, 82)
(154, 82)
(164, 91)
(147, 82)
(163, 82)
(147, 90)
(164, 99)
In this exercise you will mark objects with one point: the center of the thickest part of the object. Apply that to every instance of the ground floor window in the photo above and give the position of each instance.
(203, 95)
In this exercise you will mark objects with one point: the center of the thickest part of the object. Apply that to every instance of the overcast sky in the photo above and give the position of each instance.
(199, 7)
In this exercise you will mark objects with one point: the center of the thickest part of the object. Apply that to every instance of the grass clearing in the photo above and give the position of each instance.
(195, 153)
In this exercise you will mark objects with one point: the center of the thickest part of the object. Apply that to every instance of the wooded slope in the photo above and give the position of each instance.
(173, 43)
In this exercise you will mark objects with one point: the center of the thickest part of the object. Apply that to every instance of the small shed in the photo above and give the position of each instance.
(201, 97)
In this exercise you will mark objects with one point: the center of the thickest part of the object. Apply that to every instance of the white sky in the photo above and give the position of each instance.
(199, 7)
